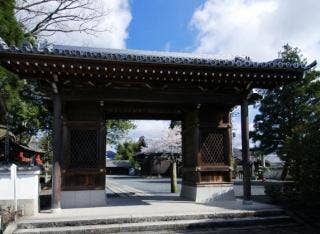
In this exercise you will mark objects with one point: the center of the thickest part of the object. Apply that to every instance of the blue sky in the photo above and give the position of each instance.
(223, 28)
(162, 25)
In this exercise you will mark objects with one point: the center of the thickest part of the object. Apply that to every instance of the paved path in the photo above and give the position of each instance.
(130, 185)
(122, 189)
(143, 185)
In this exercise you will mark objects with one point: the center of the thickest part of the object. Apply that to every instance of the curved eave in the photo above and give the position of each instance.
(43, 65)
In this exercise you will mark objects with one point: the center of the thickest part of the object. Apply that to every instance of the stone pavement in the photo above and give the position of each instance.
(114, 188)
(152, 205)
(141, 204)
(137, 196)
(129, 185)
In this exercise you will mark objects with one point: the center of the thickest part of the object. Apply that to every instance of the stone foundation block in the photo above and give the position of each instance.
(208, 193)
(83, 198)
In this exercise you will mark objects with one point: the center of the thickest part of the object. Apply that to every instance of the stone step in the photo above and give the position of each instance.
(253, 229)
(84, 221)
(173, 225)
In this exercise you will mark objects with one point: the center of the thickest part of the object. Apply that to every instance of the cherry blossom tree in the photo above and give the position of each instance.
(170, 147)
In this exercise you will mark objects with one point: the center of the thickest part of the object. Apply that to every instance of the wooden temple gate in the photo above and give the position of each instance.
(88, 86)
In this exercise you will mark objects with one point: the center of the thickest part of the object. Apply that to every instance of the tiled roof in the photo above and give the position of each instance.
(125, 55)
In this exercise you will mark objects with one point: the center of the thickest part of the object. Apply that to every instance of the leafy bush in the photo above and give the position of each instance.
(303, 149)
(280, 191)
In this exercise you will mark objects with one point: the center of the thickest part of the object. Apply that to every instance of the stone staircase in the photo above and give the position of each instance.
(191, 222)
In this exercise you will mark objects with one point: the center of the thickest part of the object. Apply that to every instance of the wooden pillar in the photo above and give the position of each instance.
(245, 151)
(84, 149)
(206, 155)
(57, 154)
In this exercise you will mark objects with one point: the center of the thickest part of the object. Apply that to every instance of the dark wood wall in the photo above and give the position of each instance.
(84, 146)
(206, 136)
(206, 139)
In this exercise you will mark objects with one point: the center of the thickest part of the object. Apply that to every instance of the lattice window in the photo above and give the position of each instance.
(212, 149)
(83, 148)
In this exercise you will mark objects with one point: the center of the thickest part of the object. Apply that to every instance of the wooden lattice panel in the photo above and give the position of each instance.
(213, 149)
(83, 148)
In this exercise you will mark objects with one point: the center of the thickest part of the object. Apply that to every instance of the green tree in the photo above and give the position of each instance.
(11, 34)
(21, 99)
(10, 31)
(45, 143)
(303, 150)
(285, 111)
(18, 98)
(24, 105)
(117, 129)
(27, 109)
(126, 151)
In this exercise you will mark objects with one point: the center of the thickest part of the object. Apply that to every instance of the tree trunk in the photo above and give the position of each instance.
(284, 171)
(174, 185)
(57, 154)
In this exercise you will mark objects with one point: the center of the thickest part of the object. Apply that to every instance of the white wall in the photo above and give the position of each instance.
(27, 188)
(6, 186)
(27, 185)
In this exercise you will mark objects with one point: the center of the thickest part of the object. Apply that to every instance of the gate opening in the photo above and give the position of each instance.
(145, 162)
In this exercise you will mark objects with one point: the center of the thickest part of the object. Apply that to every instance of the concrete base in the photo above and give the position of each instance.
(247, 202)
(208, 194)
(28, 206)
(83, 198)
(56, 211)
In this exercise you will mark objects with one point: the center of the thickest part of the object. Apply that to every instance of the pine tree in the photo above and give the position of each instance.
(284, 110)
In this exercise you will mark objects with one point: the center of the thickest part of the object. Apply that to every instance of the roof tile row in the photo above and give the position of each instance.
(150, 56)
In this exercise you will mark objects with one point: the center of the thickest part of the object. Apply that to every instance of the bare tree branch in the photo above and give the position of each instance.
(43, 17)
(22, 6)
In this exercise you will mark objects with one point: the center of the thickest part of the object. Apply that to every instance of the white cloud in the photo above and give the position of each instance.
(257, 28)
(236, 126)
(167, 46)
(150, 129)
(116, 22)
